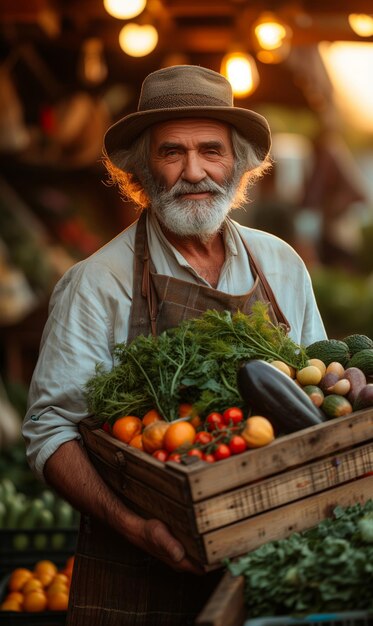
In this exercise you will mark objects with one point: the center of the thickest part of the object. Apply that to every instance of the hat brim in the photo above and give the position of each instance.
(253, 126)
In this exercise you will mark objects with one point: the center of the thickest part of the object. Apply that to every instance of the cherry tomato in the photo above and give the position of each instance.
(237, 444)
(175, 456)
(161, 455)
(214, 420)
(233, 415)
(209, 458)
(203, 437)
(195, 452)
(222, 452)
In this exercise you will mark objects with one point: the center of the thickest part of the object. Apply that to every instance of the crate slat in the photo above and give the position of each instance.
(236, 539)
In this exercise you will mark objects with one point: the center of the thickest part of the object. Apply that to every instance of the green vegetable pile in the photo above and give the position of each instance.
(327, 568)
(196, 362)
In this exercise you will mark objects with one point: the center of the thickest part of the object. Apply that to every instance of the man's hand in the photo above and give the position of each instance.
(70, 473)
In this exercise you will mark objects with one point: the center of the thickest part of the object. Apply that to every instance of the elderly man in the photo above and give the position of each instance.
(186, 157)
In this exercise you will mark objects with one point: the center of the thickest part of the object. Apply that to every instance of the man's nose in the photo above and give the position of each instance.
(193, 170)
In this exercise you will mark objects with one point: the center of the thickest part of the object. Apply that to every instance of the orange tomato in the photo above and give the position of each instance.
(150, 417)
(179, 434)
(126, 427)
(35, 601)
(136, 442)
(186, 410)
(153, 435)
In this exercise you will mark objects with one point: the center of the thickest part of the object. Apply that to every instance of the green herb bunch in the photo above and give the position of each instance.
(196, 362)
(327, 568)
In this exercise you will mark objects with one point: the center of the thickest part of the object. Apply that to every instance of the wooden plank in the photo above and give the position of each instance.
(283, 453)
(137, 464)
(283, 488)
(242, 537)
(226, 605)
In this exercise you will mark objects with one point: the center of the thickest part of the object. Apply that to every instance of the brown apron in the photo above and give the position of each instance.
(115, 583)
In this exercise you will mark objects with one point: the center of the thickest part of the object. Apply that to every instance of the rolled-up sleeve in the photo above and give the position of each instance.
(79, 334)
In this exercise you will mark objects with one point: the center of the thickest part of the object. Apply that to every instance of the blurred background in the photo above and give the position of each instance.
(70, 69)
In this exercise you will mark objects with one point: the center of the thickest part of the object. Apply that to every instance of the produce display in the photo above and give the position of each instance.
(325, 569)
(44, 588)
(36, 523)
(224, 383)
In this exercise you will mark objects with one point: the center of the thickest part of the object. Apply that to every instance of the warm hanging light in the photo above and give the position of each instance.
(271, 38)
(241, 71)
(138, 40)
(92, 66)
(361, 24)
(124, 9)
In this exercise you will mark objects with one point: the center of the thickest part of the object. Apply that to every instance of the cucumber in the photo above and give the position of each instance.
(363, 360)
(329, 350)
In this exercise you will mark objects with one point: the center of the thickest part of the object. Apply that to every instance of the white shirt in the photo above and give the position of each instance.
(89, 314)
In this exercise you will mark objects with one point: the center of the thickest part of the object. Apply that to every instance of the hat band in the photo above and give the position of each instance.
(182, 100)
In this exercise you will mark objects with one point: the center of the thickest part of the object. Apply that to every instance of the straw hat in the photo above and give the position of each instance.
(189, 91)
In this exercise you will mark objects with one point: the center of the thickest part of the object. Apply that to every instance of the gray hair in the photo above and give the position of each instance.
(129, 169)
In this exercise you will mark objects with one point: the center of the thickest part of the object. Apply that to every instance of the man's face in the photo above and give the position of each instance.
(192, 184)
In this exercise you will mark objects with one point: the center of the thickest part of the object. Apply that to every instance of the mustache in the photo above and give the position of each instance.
(182, 187)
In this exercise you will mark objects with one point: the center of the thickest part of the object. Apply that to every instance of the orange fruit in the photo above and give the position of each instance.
(60, 579)
(258, 431)
(45, 567)
(153, 435)
(179, 434)
(15, 595)
(10, 605)
(126, 427)
(136, 442)
(150, 417)
(18, 578)
(34, 602)
(58, 601)
(32, 584)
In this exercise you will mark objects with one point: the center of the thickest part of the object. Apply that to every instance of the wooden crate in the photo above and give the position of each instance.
(227, 508)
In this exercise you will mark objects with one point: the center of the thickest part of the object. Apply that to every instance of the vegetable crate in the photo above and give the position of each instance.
(231, 507)
(226, 608)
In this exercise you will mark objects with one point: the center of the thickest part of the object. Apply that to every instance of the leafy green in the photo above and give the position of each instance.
(196, 362)
(327, 568)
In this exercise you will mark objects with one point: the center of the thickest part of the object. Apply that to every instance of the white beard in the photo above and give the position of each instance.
(193, 218)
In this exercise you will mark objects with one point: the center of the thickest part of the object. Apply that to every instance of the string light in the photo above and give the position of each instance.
(138, 40)
(271, 38)
(361, 24)
(241, 71)
(124, 9)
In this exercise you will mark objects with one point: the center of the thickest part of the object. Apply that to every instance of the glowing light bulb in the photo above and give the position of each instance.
(124, 9)
(270, 35)
(241, 71)
(138, 40)
(361, 24)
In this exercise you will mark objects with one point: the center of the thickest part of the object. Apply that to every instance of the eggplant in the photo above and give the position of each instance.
(273, 394)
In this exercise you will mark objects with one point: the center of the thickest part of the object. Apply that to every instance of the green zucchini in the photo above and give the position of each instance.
(271, 393)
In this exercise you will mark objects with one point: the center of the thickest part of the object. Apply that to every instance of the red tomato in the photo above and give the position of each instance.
(203, 437)
(222, 452)
(237, 444)
(106, 427)
(161, 455)
(195, 452)
(233, 415)
(214, 420)
(175, 456)
(209, 458)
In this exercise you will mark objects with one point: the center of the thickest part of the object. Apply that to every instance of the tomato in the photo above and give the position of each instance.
(203, 437)
(161, 455)
(195, 452)
(237, 444)
(214, 420)
(106, 427)
(174, 456)
(233, 415)
(209, 458)
(222, 452)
